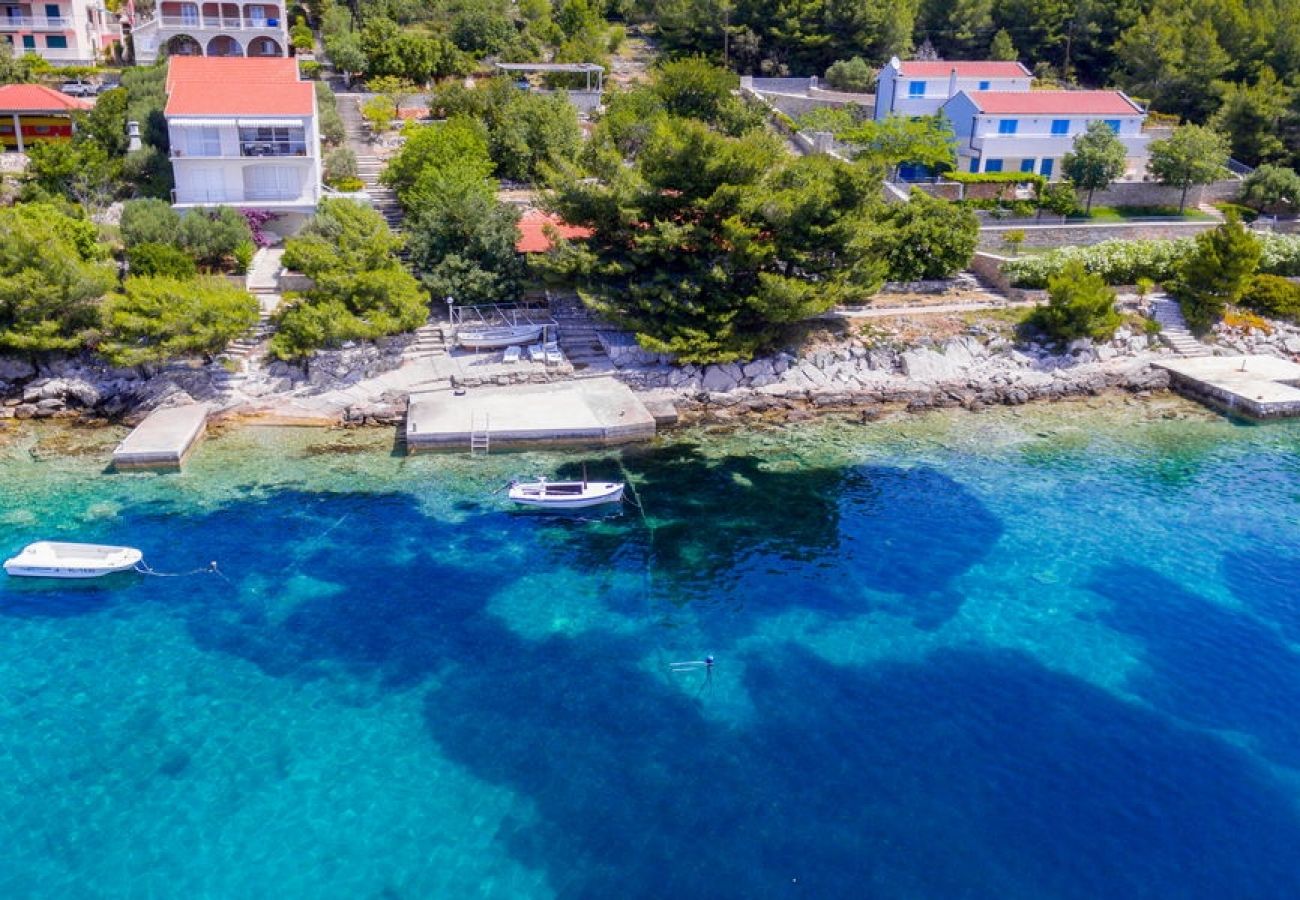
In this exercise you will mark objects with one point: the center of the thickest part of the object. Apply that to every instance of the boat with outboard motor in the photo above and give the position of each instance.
(543, 494)
(57, 559)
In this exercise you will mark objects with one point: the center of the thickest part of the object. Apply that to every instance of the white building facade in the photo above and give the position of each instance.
(251, 142)
(921, 87)
(68, 32)
(211, 29)
(1031, 131)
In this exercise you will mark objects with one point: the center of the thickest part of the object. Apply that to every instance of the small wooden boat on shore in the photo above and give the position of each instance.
(494, 337)
(543, 494)
(54, 559)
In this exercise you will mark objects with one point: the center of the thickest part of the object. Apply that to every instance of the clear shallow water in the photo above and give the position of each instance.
(1049, 653)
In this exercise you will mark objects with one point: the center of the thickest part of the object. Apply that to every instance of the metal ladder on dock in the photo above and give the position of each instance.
(480, 435)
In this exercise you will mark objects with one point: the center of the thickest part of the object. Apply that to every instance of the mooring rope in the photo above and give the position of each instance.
(210, 569)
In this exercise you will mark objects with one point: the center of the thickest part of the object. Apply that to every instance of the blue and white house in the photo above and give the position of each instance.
(1030, 131)
(921, 87)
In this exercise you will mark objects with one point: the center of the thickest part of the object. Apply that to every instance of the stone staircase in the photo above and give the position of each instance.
(578, 337)
(430, 341)
(241, 356)
(369, 165)
(1173, 328)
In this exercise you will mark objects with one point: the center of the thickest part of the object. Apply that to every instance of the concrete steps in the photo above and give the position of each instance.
(1173, 328)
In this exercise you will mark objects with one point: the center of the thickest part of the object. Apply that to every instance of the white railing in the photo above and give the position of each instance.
(216, 22)
(60, 23)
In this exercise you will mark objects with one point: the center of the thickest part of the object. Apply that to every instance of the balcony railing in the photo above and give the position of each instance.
(224, 23)
(36, 23)
(272, 148)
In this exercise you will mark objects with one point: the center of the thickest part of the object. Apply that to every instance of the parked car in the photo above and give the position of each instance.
(79, 88)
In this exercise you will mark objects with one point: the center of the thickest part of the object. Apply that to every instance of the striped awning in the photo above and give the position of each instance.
(198, 123)
(270, 123)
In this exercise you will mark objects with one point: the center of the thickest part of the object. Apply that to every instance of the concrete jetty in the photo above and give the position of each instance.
(595, 411)
(164, 439)
(1258, 387)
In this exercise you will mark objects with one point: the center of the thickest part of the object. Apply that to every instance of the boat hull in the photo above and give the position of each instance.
(566, 495)
(497, 338)
(57, 560)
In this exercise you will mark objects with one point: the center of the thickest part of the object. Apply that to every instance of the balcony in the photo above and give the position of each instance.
(35, 23)
(216, 23)
(1027, 146)
(272, 148)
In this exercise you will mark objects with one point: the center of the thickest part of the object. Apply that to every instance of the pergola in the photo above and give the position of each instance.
(587, 69)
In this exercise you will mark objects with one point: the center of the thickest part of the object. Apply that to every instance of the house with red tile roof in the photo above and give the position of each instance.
(919, 87)
(64, 32)
(244, 133)
(1030, 131)
(172, 28)
(536, 228)
(33, 112)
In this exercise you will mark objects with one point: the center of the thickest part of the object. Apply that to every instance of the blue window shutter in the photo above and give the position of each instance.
(916, 89)
(1007, 126)
(974, 164)
(1026, 165)
(1060, 126)
(984, 85)
(1114, 125)
(992, 165)
(29, 42)
(56, 42)
(1046, 170)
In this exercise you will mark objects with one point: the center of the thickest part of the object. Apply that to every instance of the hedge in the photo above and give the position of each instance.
(1124, 262)
(1039, 181)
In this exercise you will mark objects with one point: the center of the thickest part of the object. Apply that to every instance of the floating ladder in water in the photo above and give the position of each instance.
(480, 433)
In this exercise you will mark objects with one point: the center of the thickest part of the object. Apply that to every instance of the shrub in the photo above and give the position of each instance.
(243, 254)
(331, 124)
(213, 237)
(1216, 272)
(1079, 305)
(1273, 296)
(379, 112)
(1039, 181)
(348, 185)
(1117, 262)
(925, 238)
(161, 260)
(1012, 240)
(154, 319)
(309, 68)
(340, 163)
(1272, 189)
(1060, 197)
(855, 76)
(149, 222)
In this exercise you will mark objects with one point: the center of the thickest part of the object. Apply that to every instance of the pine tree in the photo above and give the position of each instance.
(1001, 47)
(1216, 272)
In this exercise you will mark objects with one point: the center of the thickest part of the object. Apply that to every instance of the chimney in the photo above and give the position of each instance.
(952, 83)
(133, 136)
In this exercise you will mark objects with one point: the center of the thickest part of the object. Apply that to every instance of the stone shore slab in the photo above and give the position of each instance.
(164, 439)
(1258, 386)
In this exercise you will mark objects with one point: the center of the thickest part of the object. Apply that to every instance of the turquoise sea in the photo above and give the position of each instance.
(1031, 653)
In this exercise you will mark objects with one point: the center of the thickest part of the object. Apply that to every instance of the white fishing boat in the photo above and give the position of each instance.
(543, 494)
(494, 337)
(52, 559)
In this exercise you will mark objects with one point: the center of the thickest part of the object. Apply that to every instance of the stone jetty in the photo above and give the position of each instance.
(164, 439)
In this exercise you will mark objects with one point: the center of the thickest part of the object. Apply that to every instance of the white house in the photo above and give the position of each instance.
(244, 133)
(920, 87)
(182, 28)
(1029, 131)
(69, 32)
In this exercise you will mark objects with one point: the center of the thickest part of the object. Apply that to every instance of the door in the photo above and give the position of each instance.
(202, 142)
(271, 183)
(205, 185)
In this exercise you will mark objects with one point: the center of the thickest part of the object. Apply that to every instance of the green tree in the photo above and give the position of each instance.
(483, 28)
(887, 143)
(459, 141)
(535, 132)
(708, 245)
(52, 276)
(1079, 305)
(1001, 47)
(344, 234)
(159, 318)
(160, 259)
(1274, 189)
(924, 238)
(1216, 272)
(852, 75)
(1251, 117)
(695, 88)
(1059, 197)
(1192, 155)
(1097, 159)
(379, 113)
(344, 50)
(81, 171)
(213, 237)
(301, 37)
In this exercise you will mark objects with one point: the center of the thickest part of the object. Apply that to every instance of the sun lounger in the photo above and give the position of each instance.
(513, 354)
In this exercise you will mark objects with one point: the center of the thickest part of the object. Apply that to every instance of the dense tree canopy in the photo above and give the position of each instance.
(158, 318)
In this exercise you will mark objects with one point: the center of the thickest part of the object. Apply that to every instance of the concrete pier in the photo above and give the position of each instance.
(1258, 387)
(164, 439)
(596, 411)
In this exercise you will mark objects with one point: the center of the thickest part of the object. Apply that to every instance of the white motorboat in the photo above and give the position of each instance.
(543, 494)
(52, 559)
(494, 337)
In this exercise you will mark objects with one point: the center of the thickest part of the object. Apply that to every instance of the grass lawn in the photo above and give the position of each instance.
(1124, 213)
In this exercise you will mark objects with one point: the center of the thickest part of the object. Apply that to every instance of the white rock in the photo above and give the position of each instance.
(926, 365)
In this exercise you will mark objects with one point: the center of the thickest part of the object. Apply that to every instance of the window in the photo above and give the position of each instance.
(1046, 169)
(204, 141)
(916, 89)
(975, 165)
(1114, 125)
(984, 86)
(1026, 165)
(271, 183)
(29, 42)
(1007, 126)
(52, 10)
(56, 42)
(265, 140)
(992, 165)
(1060, 126)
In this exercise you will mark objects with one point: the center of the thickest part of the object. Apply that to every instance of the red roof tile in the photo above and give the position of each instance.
(236, 86)
(532, 231)
(978, 68)
(37, 98)
(1077, 103)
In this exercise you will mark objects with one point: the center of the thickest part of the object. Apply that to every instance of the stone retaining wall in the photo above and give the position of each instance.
(1083, 235)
